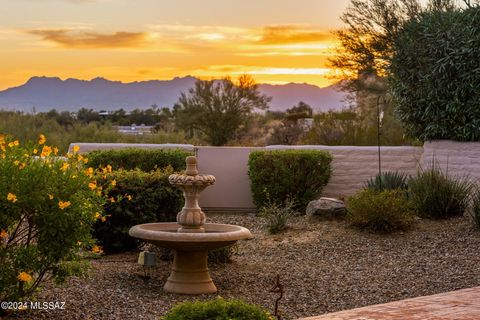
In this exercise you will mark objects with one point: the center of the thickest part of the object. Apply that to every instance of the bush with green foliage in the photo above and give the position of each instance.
(278, 175)
(475, 206)
(145, 197)
(435, 75)
(135, 158)
(388, 180)
(47, 208)
(380, 211)
(436, 195)
(276, 216)
(218, 309)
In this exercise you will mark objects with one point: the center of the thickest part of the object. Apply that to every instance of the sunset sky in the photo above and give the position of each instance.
(277, 41)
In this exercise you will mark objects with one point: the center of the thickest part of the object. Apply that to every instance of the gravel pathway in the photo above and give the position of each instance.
(324, 266)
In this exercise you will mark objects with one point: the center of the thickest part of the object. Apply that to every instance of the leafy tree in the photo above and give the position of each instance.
(367, 41)
(218, 108)
(300, 111)
(436, 75)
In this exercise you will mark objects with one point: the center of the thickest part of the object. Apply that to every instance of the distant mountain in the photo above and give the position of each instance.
(45, 93)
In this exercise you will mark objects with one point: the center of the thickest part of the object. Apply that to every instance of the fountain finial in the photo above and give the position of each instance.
(192, 169)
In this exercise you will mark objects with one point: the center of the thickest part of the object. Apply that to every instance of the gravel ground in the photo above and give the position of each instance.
(324, 266)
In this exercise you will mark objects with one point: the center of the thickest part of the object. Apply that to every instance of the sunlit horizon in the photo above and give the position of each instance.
(275, 43)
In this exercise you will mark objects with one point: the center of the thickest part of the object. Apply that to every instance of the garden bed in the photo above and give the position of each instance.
(324, 267)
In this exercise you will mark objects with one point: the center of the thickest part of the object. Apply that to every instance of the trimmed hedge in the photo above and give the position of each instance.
(143, 159)
(281, 175)
(153, 199)
(218, 309)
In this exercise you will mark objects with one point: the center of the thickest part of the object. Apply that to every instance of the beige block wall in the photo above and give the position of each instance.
(352, 166)
(457, 158)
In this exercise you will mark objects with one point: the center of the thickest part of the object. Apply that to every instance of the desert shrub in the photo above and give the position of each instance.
(276, 216)
(218, 309)
(144, 197)
(380, 211)
(389, 180)
(435, 76)
(475, 206)
(143, 159)
(47, 208)
(276, 176)
(435, 195)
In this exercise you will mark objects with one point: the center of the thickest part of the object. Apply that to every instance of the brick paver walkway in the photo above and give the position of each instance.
(455, 305)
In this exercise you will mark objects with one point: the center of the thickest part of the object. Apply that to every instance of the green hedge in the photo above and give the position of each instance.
(218, 309)
(153, 199)
(282, 175)
(143, 159)
(436, 75)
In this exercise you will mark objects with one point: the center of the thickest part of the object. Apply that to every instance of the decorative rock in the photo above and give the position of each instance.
(326, 208)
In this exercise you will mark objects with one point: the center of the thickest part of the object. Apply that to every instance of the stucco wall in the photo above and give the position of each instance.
(456, 158)
(352, 166)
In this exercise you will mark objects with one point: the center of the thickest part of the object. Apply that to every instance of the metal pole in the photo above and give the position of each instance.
(378, 143)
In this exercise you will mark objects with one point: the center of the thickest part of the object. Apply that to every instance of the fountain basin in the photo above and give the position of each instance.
(189, 274)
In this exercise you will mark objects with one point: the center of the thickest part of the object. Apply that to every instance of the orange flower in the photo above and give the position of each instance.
(42, 139)
(24, 277)
(46, 150)
(3, 234)
(129, 197)
(76, 149)
(64, 204)
(65, 166)
(11, 197)
(92, 185)
(55, 150)
(50, 196)
(89, 171)
(114, 183)
(97, 249)
(112, 199)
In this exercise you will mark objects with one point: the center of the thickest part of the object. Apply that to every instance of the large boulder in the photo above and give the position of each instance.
(326, 208)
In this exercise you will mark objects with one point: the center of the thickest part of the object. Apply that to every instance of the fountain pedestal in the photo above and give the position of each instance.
(190, 274)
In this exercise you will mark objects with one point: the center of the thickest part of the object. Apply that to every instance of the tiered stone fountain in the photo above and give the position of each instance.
(191, 237)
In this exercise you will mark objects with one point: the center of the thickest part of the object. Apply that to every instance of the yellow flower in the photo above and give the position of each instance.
(92, 185)
(129, 197)
(16, 162)
(97, 249)
(22, 165)
(55, 150)
(16, 143)
(109, 168)
(11, 144)
(64, 204)
(89, 171)
(46, 150)
(97, 215)
(50, 196)
(42, 139)
(3, 234)
(65, 166)
(114, 183)
(79, 243)
(35, 151)
(12, 197)
(76, 149)
(24, 277)
(112, 199)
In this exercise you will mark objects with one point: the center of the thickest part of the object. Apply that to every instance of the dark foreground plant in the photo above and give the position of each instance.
(218, 309)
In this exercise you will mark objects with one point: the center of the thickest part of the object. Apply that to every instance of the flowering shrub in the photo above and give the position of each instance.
(47, 207)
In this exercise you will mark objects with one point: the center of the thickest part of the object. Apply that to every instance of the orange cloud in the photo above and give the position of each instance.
(282, 34)
(85, 39)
